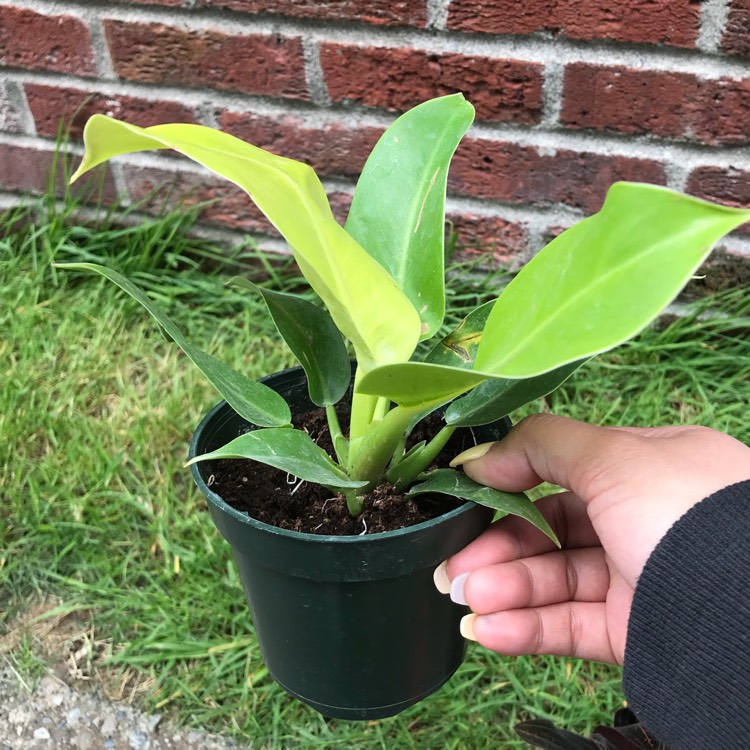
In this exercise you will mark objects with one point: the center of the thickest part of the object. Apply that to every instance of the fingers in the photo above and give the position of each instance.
(544, 447)
(513, 538)
(576, 629)
(579, 575)
(587, 630)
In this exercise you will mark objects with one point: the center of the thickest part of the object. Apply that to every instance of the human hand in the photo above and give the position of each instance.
(625, 488)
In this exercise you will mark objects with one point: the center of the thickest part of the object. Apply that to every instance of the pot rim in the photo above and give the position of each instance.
(245, 518)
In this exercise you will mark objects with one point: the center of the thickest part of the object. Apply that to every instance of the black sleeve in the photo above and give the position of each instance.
(687, 658)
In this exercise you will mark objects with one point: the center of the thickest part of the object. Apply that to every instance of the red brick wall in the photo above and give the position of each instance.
(571, 95)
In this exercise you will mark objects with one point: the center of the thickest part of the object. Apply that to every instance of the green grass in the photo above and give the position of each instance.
(99, 521)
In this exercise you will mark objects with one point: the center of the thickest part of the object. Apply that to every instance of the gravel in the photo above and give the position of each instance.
(57, 717)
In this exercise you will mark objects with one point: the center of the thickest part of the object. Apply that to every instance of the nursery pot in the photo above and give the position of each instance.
(350, 625)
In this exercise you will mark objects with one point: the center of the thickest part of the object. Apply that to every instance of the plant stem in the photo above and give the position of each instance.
(405, 473)
(340, 443)
(398, 453)
(374, 450)
(354, 502)
(363, 408)
(381, 408)
(437, 444)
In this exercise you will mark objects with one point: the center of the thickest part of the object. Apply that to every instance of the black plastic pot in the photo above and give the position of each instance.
(351, 625)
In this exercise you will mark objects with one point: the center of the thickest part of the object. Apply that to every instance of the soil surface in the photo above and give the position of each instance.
(274, 497)
(57, 717)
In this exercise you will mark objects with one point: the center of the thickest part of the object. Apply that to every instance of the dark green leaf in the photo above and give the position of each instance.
(311, 334)
(495, 399)
(290, 450)
(255, 402)
(546, 736)
(457, 484)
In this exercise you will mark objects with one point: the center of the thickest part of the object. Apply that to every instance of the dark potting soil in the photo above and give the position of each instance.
(272, 496)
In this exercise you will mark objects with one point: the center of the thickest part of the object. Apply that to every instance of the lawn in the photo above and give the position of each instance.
(107, 552)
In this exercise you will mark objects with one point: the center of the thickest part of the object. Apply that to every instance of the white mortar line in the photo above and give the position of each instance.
(437, 14)
(552, 93)
(559, 215)
(713, 22)
(532, 49)
(737, 245)
(677, 175)
(100, 48)
(547, 141)
(314, 73)
(17, 99)
(121, 184)
(222, 237)
(555, 215)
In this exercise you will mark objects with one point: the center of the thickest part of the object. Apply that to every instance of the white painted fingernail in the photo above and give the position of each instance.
(467, 627)
(457, 589)
(471, 454)
(440, 577)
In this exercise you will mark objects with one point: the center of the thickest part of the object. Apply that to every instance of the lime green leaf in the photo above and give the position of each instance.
(494, 399)
(459, 347)
(423, 384)
(457, 484)
(290, 450)
(398, 210)
(601, 281)
(253, 401)
(362, 297)
(311, 334)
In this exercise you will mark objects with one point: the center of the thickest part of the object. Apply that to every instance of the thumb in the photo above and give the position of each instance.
(540, 448)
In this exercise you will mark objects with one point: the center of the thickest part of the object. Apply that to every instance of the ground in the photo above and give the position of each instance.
(57, 716)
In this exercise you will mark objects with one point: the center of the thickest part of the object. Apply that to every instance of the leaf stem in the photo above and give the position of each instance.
(400, 451)
(354, 502)
(404, 474)
(340, 443)
(374, 450)
(381, 408)
(363, 408)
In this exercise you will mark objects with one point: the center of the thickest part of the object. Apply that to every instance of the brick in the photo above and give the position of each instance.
(25, 169)
(376, 12)
(52, 104)
(10, 117)
(736, 38)
(396, 79)
(229, 206)
(37, 42)
(508, 172)
(489, 239)
(335, 149)
(648, 102)
(728, 186)
(724, 269)
(254, 64)
(671, 22)
(168, 3)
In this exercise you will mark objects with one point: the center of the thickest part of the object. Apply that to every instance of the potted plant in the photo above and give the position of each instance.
(351, 624)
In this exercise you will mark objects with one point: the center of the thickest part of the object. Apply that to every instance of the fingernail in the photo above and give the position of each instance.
(471, 454)
(440, 577)
(467, 627)
(457, 589)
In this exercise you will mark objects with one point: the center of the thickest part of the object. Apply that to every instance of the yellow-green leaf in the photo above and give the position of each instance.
(364, 300)
(601, 281)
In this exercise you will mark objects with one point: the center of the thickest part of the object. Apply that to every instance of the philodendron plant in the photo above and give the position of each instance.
(381, 282)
